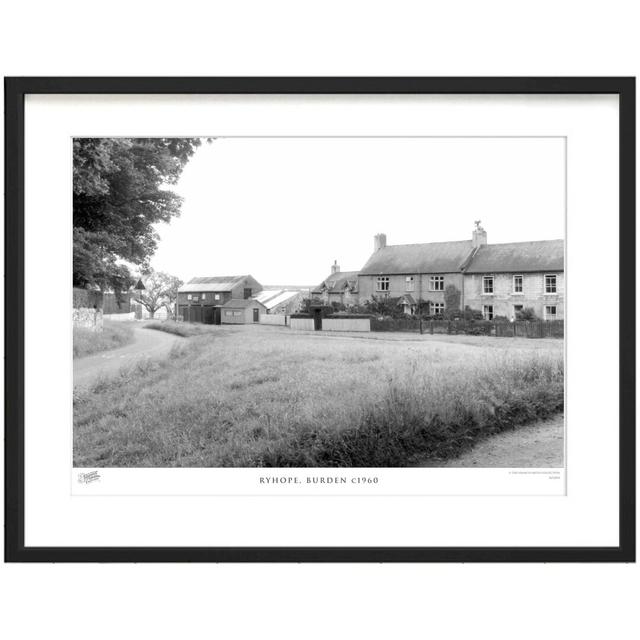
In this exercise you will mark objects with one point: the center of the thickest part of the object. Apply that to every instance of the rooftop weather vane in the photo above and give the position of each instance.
(477, 223)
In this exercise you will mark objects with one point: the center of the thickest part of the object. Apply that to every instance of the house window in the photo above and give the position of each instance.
(409, 283)
(550, 284)
(247, 294)
(228, 313)
(487, 311)
(189, 296)
(436, 283)
(517, 308)
(517, 284)
(196, 298)
(204, 296)
(383, 283)
(550, 312)
(237, 313)
(216, 296)
(437, 308)
(487, 285)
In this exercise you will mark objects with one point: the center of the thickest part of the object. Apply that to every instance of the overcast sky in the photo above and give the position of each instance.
(283, 209)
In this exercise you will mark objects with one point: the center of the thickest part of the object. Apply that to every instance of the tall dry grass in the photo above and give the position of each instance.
(112, 336)
(265, 398)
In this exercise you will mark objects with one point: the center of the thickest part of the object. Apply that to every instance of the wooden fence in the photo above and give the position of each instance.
(517, 329)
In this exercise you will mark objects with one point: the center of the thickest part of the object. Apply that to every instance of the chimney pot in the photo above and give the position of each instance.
(335, 267)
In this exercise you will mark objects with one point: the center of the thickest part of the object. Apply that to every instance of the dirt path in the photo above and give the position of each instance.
(538, 445)
(147, 343)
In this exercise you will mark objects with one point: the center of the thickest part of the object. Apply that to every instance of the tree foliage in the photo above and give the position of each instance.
(120, 191)
(452, 297)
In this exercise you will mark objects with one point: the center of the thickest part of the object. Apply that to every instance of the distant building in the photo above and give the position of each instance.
(242, 311)
(339, 286)
(280, 301)
(202, 299)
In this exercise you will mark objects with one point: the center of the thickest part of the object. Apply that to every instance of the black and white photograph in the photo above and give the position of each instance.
(319, 301)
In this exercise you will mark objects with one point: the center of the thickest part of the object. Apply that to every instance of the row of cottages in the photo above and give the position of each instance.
(498, 279)
(220, 300)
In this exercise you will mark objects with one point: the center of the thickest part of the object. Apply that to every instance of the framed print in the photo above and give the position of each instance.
(320, 319)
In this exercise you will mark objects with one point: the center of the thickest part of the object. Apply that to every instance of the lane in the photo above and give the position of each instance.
(147, 344)
(539, 445)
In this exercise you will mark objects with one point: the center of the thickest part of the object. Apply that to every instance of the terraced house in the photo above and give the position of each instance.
(498, 279)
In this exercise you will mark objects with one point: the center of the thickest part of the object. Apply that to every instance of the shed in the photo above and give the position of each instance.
(242, 311)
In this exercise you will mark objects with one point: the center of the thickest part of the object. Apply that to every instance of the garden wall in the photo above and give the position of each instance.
(87, 319)
(302, 324)
(274, 318)
(346, 324)
(119, 317)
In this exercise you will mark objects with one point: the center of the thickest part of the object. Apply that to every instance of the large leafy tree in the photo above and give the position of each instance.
(160, 290)
(121, 189)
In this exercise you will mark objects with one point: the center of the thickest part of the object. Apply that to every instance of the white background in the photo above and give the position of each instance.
(364, 38)
(587, 516)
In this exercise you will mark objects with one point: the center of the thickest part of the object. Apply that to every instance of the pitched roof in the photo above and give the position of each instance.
(336, 282)
(541, 255)
(271, 299)
(237, 303)
(217, 283)
(430, 257)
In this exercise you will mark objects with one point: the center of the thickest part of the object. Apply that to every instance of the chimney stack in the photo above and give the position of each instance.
(479, 236)
(379, 241)
(335, 267)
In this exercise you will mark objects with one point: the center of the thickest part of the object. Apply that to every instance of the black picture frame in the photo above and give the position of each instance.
(15, 91)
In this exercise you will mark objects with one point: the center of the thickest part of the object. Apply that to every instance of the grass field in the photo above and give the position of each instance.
(266, 396)
(113, 335)
(184, 329)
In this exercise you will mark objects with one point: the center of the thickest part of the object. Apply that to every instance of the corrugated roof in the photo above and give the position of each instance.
(216, 283)
(281, 297)
(237, 303)
(267, 294)
(430, 257)
(336, 282)
(541, 255)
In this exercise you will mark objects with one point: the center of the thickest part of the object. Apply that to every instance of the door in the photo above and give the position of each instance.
(317, 319)
(216, 315)
(256, 315)
(207, 315)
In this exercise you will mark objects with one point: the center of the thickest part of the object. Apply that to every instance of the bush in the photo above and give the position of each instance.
(472, 314)
(527, 314)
